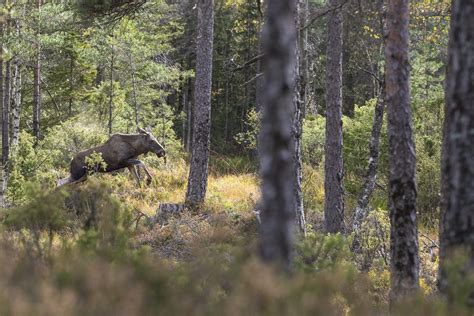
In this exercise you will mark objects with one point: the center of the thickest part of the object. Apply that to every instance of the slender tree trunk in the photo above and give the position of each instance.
(111, 94)
(189, 116)
(305, 62)
(2, 100)
(5, 120)
(37, 82)
(297, 131)
(184, 100)
(71, 83)
(16, 95)
(361, 211)
(457, 212)
(134, 91)
(334, 174)
(402, 183)
(276, 139)
(16, 104)
(197, 181)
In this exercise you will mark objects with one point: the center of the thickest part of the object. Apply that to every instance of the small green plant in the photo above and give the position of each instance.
(95, 163)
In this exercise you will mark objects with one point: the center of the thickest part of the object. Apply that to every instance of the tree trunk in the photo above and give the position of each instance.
(305, 62)
(37, 82)
(134, 91)
(361, 211)
(402, 184)
(276, 139)
(197, 181)
(189, 116)
(2, 95)
(71, 82)
(334, 174)
(297, 131)
(16, 104)
(457, 213)
(5, 119)
(111, 94)
(16, 95)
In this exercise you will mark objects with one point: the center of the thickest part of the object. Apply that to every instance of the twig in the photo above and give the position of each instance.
(434, 243)
(254, 78)
(323, 13)
(249, 62)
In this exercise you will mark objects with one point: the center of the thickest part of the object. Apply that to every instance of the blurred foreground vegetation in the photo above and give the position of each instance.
(91, 248)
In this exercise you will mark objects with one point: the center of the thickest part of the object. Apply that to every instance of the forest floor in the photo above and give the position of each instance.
(109, 260)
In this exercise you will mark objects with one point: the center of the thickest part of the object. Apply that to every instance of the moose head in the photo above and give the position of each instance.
(150, 142)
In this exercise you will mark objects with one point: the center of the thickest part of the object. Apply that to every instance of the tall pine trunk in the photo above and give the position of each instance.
(2, 96)
(5, 120)
(457, 177)
(402, 184)
(16, 95)
(37, 80)
(276, 139)
(334, 174)
(297, 132)
(15, 104)
(198, 174)
(111, 92)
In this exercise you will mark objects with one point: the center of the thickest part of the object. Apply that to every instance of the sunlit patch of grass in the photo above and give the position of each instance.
(237, 193)
(234, 193)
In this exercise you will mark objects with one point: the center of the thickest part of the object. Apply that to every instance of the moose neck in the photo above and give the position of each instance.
(137, 142)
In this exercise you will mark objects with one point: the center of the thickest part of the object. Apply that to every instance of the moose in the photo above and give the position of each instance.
(119, 152)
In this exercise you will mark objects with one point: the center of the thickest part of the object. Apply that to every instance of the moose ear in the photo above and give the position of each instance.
(141, 130)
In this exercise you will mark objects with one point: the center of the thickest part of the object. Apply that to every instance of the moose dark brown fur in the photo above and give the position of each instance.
(120, 151)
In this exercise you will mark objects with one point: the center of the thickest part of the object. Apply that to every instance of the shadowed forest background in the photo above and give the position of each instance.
(75, 72)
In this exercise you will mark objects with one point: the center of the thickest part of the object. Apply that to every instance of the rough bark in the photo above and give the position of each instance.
(136, 106)
(2, 95)
(361, 211)
(16, 95)
(111, 92)
(457, 213)
(305, 86)
(197, 180)
(334, 174)
(402, 183)
(5, 118)
(276, 140)
(37, 82)
(297, 131)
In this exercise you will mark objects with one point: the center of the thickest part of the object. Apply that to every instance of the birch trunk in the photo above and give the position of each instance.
(361, 211)
(297, 131)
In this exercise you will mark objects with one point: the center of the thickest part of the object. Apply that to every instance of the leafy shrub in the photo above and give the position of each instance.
(318, 251)
(312, 141)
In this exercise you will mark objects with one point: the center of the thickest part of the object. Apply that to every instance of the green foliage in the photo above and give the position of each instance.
(248, 138)
(65, 140)
(95, 163)
(313, 137)
(28, 164)
(44, 212)
(317, 252)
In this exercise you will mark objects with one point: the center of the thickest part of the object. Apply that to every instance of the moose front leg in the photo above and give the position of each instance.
(139, 163)
(135, 174)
